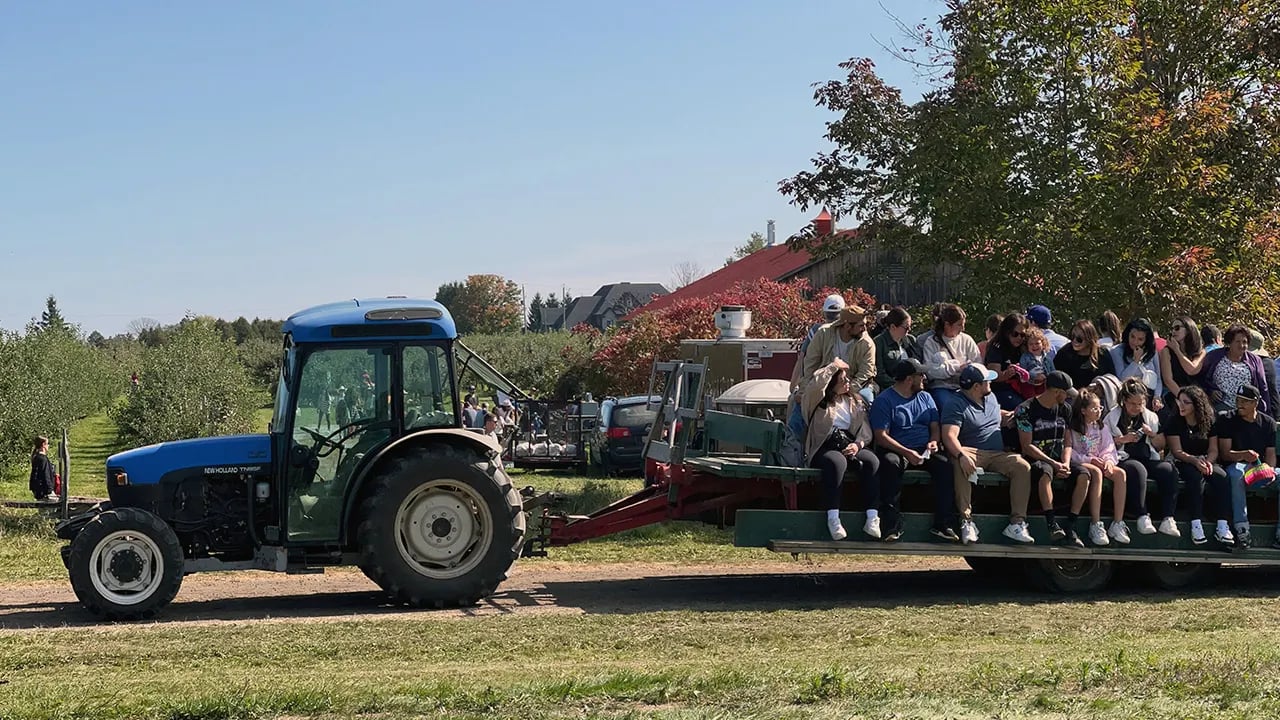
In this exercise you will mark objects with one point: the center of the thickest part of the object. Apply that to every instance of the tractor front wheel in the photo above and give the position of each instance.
(125, 564)
(440, 527)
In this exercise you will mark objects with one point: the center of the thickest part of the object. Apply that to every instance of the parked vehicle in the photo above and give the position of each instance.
(617, 446)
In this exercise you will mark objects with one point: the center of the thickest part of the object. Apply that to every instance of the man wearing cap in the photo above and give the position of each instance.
(831, 308)
(1040, 316)
(892, 345)
(905, 425)
(1245, 437)
(847, 339)
(971, 434)
(1042, 431)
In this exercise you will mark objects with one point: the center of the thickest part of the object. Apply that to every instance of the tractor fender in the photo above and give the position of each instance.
(68, 529)
(481, 444)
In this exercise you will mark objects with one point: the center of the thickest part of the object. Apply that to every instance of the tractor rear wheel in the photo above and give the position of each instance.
(125, 564)
(1070, 576)
(440, 527)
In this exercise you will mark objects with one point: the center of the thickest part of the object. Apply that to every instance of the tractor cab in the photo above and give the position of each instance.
(366, 461)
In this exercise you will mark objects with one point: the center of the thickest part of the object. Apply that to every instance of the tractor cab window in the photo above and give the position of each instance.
(429, 400)
(342, 410)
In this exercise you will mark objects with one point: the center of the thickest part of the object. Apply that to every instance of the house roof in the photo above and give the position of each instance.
(770, 263)
(583, 309)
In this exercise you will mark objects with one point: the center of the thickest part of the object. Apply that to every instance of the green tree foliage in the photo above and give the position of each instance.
(194, 385)
(51, 318)
(545, 365)
(755, 242)
(1087, 155)
(48, 379)
(483, 304)
(535, 313)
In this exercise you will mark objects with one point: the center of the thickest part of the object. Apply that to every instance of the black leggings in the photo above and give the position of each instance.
(1136, 473)
(832, 464)
(893, 465)
(1194, 482)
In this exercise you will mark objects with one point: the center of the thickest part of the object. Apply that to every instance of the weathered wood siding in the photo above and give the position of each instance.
(881, 272)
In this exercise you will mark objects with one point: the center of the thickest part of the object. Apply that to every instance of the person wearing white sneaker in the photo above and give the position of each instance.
(1140, 445)
(837, 438)
(1043, 425)
(1245, 438)
(1190, 434)
(971, 435)
(1091, 443)
(1098, 534)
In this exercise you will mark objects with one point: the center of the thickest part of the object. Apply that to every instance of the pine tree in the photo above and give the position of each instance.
(51, 318)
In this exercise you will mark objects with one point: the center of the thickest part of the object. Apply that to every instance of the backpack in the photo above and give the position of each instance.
(792, 450)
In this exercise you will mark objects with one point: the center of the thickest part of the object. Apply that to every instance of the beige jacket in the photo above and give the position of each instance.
(821, 420)
(861, 355)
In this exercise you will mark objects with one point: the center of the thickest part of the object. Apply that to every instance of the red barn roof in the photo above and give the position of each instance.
(770, 263)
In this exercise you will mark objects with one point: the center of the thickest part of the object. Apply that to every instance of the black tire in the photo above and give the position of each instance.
(1069, 576)
(455, 557)
(995, 568)
(113, 562)
(1176, 576)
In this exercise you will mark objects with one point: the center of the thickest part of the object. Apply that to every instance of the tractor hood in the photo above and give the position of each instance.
(232, 454)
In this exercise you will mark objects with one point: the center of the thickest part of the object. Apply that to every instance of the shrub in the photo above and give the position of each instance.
(192, 386)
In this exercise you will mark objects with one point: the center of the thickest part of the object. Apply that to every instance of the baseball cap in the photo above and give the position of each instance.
(973, 373)
(1256, 343)
(1249, 392)
(1058, 380)
(907, 367)
(833, 303)
(1040, 315)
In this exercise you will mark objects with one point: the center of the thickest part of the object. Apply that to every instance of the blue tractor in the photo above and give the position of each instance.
(366, 463)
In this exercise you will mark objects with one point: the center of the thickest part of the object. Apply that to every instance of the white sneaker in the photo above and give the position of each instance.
(1120, 532)
(1223, 534)
(1018, 532)
(54, 498)
(1098, 534)
(1169, 526)
(968, 532)
(836, 529)
(872, 527)
(1144, 525)
(1197, 533)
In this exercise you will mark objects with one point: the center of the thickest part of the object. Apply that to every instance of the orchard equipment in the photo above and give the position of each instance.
(366, 463)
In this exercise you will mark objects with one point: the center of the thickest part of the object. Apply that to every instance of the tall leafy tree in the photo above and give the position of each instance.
(483, 304)
(1083, 154)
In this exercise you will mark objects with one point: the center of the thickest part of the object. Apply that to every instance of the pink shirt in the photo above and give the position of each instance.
(1095, 443)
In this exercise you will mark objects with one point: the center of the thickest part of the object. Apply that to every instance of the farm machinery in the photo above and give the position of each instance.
(367, 463)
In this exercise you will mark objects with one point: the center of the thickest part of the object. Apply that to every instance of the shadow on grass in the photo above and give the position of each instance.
(701, 593)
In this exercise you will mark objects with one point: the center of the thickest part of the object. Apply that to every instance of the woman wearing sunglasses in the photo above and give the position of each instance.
(1084, 358)
(1182, 358)
(1003, 353)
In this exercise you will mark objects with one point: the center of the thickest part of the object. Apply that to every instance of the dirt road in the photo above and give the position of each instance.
(553, 588)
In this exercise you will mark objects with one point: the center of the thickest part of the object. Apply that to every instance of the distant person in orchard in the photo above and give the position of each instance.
(43, 481)
(133, 381)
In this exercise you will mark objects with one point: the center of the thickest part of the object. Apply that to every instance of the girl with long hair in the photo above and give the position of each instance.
(1092, 444)
(1084, 358)
(1002, 356)
(1182, 358)
(839, 440)
(1136, 430)
(1193, 445)
(1136, 357)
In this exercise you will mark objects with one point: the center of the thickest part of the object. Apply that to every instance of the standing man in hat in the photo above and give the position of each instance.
(847, 339)
(906, 424)
(831, 308)
(1246, 437)
(1039, 316)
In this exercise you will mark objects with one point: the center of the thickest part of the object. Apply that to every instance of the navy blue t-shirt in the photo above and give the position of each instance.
(979, 425)
(906, 419)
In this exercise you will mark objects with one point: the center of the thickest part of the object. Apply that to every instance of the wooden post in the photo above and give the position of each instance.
(64, 462)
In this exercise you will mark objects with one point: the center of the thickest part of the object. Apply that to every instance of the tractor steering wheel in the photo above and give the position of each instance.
(326, 444)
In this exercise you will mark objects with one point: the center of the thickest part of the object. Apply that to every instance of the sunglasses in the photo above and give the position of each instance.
(1077, 338)
(1177, 327)
(1017, 333)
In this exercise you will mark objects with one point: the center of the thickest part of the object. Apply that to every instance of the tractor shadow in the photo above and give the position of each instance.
(628, 596)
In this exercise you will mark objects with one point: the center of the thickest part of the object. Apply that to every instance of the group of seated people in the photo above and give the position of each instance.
(1045, 411)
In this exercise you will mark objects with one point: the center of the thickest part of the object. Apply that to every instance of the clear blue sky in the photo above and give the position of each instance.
(254, 158)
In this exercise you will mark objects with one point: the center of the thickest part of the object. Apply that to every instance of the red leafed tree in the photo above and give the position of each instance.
(778, 310)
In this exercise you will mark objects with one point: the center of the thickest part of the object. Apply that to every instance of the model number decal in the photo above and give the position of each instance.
(232, 469)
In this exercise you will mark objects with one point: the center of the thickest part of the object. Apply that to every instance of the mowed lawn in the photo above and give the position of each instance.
(943, 650)
(1200, 657)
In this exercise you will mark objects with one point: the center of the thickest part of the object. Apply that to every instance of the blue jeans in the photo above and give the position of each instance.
(1239, 506)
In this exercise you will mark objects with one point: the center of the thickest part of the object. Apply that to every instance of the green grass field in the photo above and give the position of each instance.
(943, 651)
